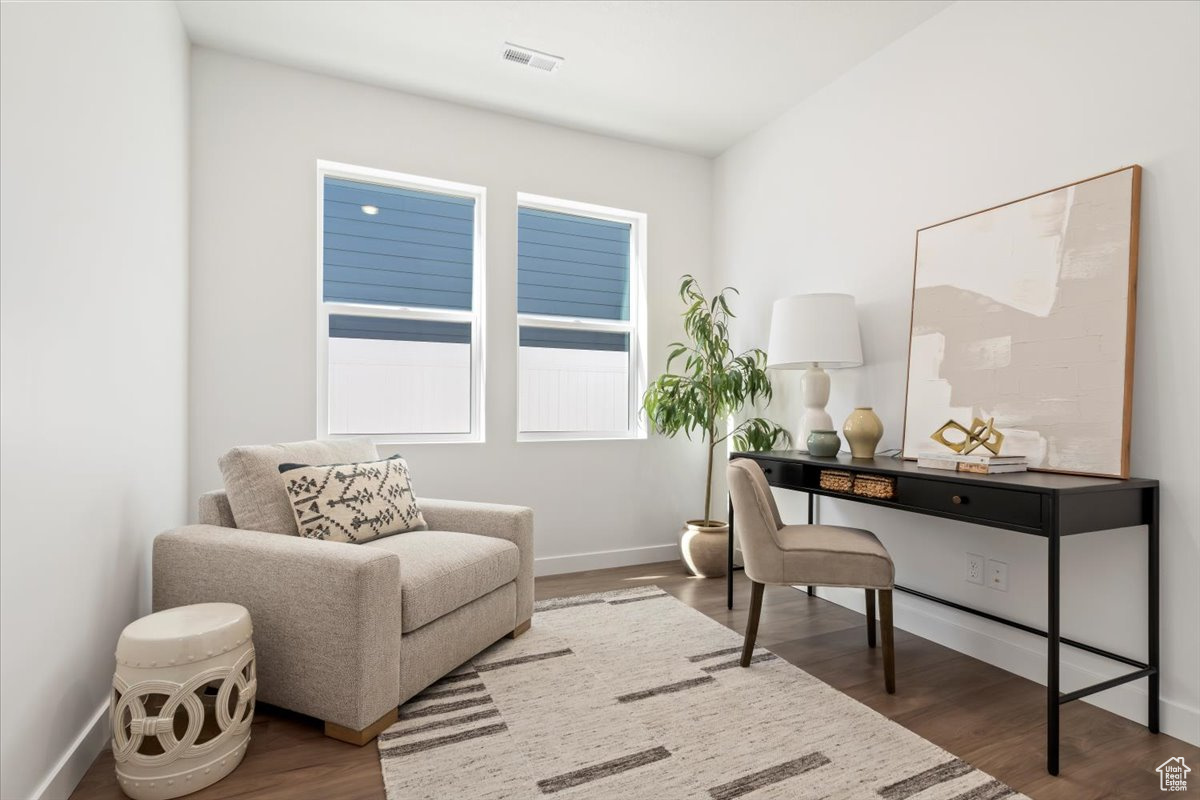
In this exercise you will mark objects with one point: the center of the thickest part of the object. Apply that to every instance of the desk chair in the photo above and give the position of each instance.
(813, 555)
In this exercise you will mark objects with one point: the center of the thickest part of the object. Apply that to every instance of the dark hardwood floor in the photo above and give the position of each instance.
(982, 714)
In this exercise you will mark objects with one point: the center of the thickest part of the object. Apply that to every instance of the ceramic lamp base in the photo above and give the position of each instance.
(814, 389)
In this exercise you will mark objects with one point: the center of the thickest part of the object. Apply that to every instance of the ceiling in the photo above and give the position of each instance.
(693, 76)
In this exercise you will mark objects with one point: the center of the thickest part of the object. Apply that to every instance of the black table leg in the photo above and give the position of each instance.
(811, 591)
(729, 570)
(1152, 609)
(1052, 637)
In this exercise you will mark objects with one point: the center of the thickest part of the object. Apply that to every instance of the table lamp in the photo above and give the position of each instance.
(814, 332)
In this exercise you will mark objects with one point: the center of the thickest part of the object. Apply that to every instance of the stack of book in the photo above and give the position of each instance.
(983, 464)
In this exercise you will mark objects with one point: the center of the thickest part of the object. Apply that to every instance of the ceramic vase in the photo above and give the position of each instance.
(863, 431)
(705, 549)
(824, 443)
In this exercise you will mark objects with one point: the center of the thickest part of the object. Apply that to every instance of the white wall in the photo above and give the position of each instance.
(257, 133)
(985, 103)
(93, 397)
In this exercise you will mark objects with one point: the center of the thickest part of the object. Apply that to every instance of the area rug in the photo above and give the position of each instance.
(633, 694)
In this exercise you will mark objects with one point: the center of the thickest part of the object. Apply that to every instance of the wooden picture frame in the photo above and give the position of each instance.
(1025, 312)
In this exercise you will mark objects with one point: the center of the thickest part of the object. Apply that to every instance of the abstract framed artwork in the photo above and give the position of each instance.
(1025, 312)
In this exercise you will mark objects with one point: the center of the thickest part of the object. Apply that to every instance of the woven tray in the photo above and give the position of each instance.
(879, 487)
(835, 480)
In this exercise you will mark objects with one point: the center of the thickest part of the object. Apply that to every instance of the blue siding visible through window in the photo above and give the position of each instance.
(572, 266)
(417, 250)
(574, 340)
(400, 330)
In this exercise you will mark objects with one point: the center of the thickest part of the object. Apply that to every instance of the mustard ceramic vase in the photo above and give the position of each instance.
(863, 431)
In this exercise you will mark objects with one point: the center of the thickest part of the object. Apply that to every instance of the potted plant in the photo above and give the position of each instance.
(713, 386)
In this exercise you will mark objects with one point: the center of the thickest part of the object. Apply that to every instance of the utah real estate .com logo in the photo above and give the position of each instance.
(1172, 775)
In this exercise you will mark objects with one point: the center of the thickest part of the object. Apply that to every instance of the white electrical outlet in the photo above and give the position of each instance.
(997, 572)
(975, 568)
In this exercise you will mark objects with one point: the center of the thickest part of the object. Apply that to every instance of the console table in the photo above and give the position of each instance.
(1036, 503)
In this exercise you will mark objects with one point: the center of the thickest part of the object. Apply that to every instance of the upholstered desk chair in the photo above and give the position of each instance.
(813, 555)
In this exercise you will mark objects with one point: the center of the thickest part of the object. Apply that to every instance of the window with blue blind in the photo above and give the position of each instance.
(399, 305)
(580, 273)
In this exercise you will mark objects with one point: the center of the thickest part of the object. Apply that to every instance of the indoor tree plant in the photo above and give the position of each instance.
(714, 385)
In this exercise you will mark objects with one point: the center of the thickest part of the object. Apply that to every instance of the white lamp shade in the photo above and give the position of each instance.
(808, 329)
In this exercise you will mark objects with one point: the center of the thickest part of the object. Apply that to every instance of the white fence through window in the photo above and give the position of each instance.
(574, 390)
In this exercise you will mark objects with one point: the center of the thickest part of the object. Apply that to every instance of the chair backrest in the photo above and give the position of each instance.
(756, 517)
(215, 510)
(256, 495)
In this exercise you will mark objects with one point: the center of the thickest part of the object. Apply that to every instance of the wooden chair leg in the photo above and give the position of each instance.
(870, 617)
(517, 631)
(889, 640)
(361, 737)
(756, 595)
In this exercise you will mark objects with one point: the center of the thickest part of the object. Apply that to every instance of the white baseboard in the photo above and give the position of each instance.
(1025, 654)
(65, 775)
(600, 559)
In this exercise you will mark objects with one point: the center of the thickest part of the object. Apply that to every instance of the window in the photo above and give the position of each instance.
(399, 306)
(580, 287)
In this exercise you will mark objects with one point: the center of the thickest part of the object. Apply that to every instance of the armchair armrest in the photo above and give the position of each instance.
(326, 615)
(514, 523)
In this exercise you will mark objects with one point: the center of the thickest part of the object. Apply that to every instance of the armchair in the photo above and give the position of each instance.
(348, 632)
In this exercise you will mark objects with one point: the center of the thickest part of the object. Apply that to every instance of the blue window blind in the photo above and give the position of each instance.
(573, 340)
(401, 330)
(572, 266)
(415, 250)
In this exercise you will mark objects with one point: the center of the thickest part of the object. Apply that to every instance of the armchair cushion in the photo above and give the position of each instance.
(441, 571)
(255, 489)
(511, 523)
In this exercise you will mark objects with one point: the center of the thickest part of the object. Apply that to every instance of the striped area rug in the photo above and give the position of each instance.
(633, 694)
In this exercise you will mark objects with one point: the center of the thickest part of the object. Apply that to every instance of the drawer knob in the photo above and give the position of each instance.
(766, 470)
(958, 500)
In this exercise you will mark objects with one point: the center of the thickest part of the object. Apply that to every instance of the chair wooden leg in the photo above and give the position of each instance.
(517, 631)
(360, 737)
(756, 595)
(870, 617)
(889, 640)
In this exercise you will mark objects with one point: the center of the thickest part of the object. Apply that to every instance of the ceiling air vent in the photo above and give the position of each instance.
(530, 57)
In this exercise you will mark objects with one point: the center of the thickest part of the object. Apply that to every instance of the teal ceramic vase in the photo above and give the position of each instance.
(824, 443)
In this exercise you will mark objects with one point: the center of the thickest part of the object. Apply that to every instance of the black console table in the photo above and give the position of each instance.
(1037, 503)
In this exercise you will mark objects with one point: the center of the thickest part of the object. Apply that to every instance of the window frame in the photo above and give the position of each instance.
(635, 326)
(475, 316)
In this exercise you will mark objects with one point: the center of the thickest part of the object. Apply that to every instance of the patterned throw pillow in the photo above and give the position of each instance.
(352, 502)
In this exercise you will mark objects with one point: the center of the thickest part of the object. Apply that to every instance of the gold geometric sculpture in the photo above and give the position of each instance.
(980, 434)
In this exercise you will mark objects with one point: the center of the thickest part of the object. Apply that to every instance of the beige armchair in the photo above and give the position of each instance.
(348, 632)
(814, 555)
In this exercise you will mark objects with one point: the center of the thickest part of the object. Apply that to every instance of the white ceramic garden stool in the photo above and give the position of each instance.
(183, 699)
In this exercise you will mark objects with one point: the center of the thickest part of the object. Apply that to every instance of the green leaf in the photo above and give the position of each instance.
(714, 383)
(760, 434)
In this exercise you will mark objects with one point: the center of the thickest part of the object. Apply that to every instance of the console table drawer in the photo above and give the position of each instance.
(782, 474)
(972, 502)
